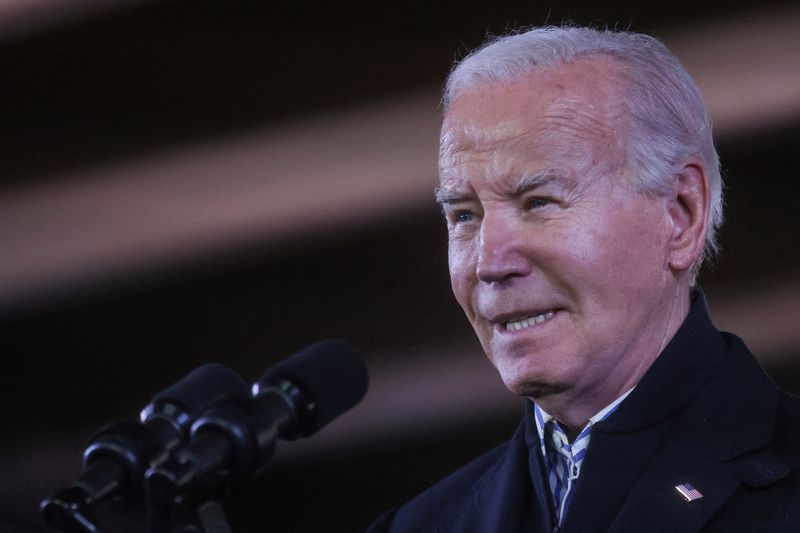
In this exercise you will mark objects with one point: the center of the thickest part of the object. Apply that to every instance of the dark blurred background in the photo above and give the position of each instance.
(190, 181)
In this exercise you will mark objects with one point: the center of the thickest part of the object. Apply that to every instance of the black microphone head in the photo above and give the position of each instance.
(330, 373)
(199, 389)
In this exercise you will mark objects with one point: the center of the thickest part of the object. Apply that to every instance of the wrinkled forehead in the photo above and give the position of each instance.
(463, 135)
(582, 100)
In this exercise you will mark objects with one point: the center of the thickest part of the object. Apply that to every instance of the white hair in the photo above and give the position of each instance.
(668, 121)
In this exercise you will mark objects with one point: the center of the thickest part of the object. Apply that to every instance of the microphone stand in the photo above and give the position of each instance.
(200, 515)
(182, 492)
(69, 512)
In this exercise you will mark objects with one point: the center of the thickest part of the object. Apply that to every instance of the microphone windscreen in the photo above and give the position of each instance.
(330, 372)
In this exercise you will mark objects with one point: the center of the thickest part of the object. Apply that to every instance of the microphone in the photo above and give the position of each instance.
(295, 398)
(319, 383)
(120, 453)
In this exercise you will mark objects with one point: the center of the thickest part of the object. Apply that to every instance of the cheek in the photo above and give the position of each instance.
(607, 251)
(462, 271)
(631, 251)
(642, 241)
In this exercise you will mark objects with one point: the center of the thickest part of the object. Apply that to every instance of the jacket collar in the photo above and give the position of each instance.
(714, 378)
(677, 374)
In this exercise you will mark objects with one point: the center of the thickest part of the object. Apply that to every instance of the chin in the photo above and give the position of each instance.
(530, 388)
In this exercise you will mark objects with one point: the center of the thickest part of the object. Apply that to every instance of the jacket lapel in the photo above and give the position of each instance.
(715, 452)
(610, 470)
(543, 515)
(501, 499)
(513, 496)
(684, 457)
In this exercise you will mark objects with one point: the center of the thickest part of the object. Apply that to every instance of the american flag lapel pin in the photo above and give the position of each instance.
(688, 492)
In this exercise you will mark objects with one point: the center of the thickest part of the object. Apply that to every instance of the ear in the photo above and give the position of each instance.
(689, 211)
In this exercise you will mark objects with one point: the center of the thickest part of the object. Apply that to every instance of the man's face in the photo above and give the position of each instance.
(558, 262)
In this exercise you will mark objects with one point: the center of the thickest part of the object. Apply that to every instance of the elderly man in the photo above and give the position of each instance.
(581, 189)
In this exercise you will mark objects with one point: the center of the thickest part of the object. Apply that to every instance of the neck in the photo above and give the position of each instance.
(572, 433)
(573, 408)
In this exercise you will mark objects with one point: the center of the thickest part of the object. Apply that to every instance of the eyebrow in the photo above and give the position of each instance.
(535, 180)
(449, 195)
(445, 195)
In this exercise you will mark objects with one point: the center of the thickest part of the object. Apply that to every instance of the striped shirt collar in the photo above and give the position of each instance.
(543, 417)
(563, 460)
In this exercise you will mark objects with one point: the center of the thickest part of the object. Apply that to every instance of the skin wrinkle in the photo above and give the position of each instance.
(571, 114)
(527, 183)
(547, 139)
(571, 117)
(555, 122)
(592, 248)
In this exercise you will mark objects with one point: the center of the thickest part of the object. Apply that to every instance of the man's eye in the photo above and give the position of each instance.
(537, 202)
(463, 216)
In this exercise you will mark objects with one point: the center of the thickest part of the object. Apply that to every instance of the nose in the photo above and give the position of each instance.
(500, 249)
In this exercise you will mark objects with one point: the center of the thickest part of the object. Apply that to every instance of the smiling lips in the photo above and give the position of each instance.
(522, 323)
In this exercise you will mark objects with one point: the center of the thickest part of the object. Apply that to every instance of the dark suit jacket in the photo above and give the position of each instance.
(705, 414)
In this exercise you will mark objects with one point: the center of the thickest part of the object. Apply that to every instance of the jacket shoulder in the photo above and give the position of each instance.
(787, 428)
(444, 498)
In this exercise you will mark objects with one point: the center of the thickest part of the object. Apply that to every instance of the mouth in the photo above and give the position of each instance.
(520, 323)
(524, 323)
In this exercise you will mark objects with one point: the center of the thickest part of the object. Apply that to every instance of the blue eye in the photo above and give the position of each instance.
(538, 201)
(463, 216)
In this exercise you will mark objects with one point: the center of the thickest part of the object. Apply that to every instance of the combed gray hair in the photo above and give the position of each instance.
(668, 119)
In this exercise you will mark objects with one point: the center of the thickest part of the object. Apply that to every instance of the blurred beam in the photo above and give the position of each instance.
(19, 18)
(764, 316)
(112, 222)
(748, 68)
(310, 176)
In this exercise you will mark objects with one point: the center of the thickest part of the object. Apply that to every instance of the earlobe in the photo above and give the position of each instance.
(689, 212)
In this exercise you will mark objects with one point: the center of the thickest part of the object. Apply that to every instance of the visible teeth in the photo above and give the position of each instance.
(516, 325)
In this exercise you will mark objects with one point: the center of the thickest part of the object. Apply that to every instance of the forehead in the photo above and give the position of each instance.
(559, 113)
